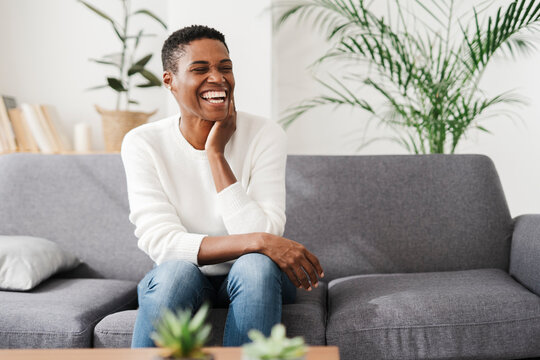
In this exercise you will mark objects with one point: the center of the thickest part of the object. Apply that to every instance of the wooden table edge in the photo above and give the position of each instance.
(220, 353)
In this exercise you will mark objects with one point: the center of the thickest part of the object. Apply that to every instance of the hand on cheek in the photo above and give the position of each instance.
(222, 131)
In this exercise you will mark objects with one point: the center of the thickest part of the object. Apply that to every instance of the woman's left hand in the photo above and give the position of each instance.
(221, 131)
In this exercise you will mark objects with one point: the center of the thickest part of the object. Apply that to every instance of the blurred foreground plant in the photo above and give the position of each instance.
(183, 335)
(276, 347)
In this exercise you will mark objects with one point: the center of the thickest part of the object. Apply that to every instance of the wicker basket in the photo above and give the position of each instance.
(116, 125)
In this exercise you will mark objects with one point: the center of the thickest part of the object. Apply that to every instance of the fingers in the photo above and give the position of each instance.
(301, 266)
(302, 277)
(232, 107)
(310, 271)
(290, 274)
(315, 262)
(304, 273)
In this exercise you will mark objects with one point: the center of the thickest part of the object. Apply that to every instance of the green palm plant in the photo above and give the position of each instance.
(124, 62)
(182, 334)
(425, 63)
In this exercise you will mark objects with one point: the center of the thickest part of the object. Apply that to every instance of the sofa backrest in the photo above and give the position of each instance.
(398, 213)
(358, 214)
(78, 201)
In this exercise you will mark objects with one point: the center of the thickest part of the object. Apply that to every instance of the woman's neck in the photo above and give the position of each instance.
(195, 131)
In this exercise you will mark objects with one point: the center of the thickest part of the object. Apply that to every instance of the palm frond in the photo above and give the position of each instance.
(342, 95)
(330, 16)
(427, 77)
(484, 42)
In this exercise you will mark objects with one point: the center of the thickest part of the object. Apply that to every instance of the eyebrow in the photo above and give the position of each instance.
(207, 63)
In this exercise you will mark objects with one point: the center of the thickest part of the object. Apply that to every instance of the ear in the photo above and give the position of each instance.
(167, 79)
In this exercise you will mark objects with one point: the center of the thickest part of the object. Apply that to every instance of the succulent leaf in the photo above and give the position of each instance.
(198, 318)
(277, 346)
(278, 332)
(181, 333)
(256, 335)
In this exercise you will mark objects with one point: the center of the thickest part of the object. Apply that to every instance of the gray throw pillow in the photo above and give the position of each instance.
(26, 261)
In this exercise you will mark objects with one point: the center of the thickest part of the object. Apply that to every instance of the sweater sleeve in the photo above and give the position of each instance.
(259, 205)
(158, 228)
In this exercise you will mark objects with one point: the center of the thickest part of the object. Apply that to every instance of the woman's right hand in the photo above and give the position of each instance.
(222, 131)
(300, 265)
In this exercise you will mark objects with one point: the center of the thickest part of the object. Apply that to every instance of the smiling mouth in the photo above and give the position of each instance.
(214, 96)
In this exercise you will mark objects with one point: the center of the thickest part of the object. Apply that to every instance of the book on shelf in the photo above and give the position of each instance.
(53, 120)
(7, 135)
(32, 128)
(39, 129)
(50, 133)
(25, 140)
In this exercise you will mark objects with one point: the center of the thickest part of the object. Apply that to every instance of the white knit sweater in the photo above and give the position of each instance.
(172, 197)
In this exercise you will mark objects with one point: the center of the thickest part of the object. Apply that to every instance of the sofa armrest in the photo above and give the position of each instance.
(525, 252)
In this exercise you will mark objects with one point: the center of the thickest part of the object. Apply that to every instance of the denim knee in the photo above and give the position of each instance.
(255, 273)
(170, 282)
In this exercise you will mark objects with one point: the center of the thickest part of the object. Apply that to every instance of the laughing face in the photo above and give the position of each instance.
(204, 81)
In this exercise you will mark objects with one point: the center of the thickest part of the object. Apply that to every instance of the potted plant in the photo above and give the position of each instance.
(129, 67)
(181, 335)
(275, 347)
(424, 63)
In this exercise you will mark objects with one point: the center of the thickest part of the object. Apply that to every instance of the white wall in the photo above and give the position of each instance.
(45, 47)
(514, 146)
(247, 28)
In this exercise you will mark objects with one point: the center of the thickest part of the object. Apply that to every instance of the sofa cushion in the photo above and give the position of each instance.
(398, 213)
(115, 330)
(306, 317)
(61, 313)
(462, 314)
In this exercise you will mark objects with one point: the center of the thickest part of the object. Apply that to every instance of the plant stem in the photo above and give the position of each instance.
(124, 46)
(128, 78)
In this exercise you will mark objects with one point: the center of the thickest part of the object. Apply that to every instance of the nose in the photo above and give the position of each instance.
(215, 76)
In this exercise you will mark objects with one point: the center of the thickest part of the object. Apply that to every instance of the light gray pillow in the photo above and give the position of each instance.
(26, 261)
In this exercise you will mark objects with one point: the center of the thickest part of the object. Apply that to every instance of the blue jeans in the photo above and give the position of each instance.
(254, 289)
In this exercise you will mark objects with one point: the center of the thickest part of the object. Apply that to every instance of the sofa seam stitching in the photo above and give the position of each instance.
(53, 333)
(441, 325)
(113, 332)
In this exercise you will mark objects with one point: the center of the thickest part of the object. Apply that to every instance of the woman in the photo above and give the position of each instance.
(211, 235)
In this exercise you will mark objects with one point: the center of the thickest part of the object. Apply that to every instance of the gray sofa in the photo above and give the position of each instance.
(421, 256)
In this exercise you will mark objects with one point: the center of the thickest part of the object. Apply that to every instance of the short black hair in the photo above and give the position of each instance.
(173, 47)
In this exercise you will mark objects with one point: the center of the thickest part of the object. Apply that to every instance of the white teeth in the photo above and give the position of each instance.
(214, 94)
(216, 101)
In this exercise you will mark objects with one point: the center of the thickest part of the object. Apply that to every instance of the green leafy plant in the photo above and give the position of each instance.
(424, 62)
(182, 334)
(124, 61)
(275, 347)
